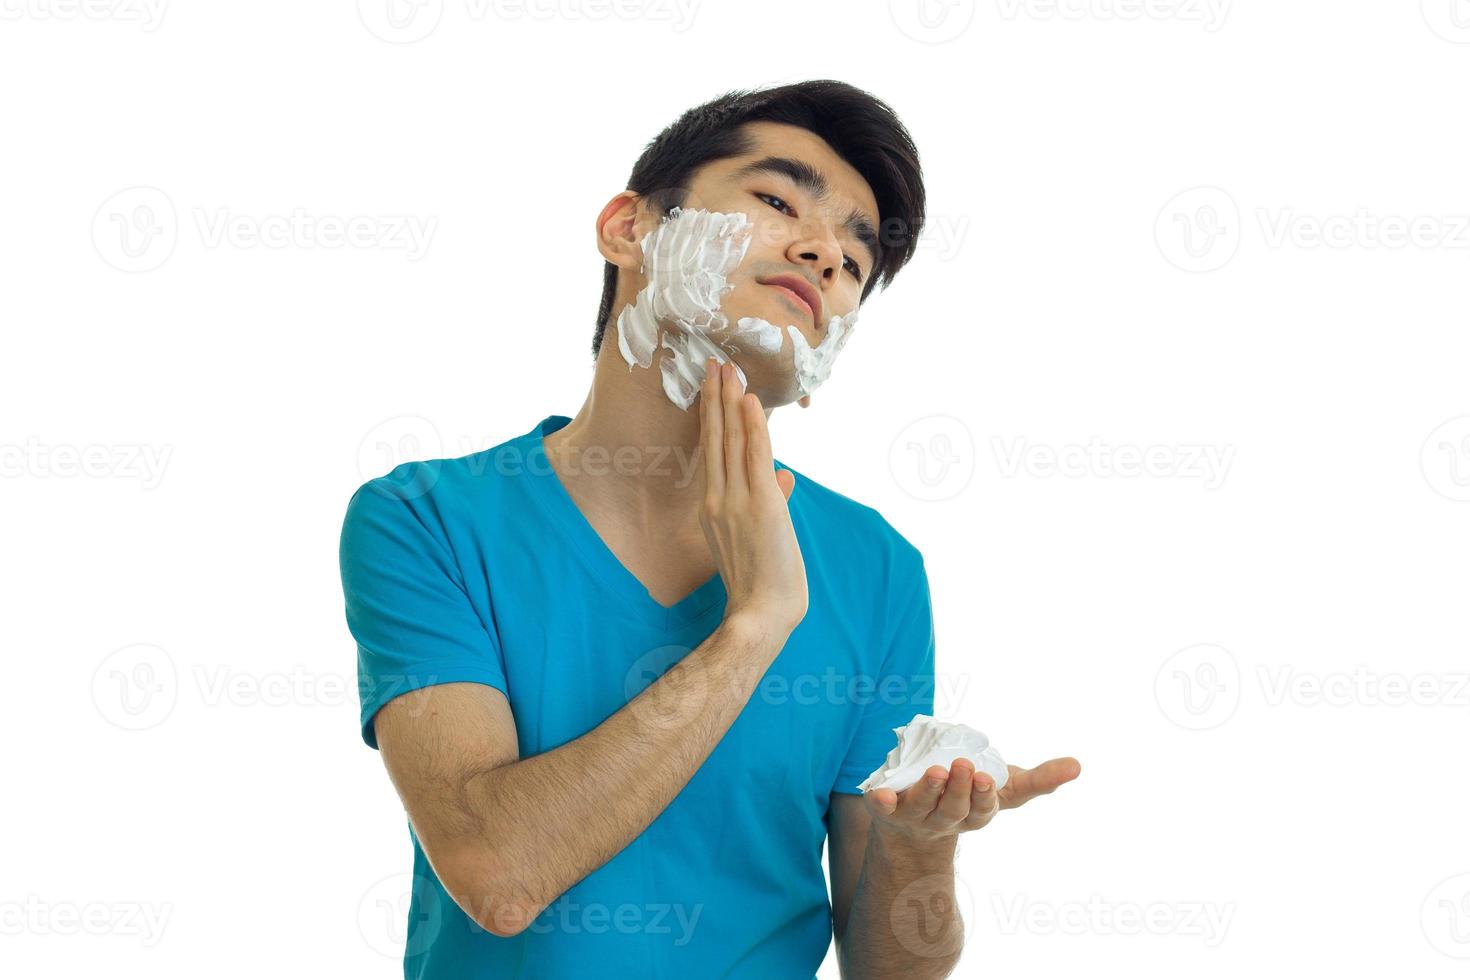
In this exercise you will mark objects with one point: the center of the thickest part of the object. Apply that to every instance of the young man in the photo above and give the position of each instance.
(627, 670)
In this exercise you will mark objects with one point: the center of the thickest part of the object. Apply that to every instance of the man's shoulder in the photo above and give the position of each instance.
(855, 528)
(441, 486)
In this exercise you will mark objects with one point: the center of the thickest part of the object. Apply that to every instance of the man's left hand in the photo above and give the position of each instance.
(947, 803)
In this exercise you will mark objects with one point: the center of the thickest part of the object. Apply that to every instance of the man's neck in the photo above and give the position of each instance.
(630, 449)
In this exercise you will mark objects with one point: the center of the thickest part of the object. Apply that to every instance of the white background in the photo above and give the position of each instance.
(1230, 231)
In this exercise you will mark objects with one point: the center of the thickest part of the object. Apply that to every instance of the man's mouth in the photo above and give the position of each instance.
(799, 292)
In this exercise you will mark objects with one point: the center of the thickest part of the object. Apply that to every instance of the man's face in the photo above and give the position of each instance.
(795, 233)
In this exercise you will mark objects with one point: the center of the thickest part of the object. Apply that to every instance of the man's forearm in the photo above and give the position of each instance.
(903, 920)
(547, 821)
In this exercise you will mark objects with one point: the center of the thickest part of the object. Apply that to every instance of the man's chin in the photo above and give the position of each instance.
(773, 395)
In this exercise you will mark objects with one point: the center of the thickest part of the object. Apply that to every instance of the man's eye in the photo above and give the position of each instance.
(857, 272)
(780, 205)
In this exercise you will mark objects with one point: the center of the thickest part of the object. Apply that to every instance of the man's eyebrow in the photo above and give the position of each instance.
(810, 179)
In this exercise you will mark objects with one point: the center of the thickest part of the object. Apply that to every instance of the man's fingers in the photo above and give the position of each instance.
(1027, 784)
(785, 481)
(886, 800)
(919, 800)
(758, 458)
(712, 429)
(954, 805)
(736, 482)
(984, 801)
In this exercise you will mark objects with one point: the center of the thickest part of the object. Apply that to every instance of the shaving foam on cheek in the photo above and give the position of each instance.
(813, 364)
(762, 334)
(686, 260)
(684, 371)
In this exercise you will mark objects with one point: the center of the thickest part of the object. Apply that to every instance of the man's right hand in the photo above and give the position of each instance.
(744, 509)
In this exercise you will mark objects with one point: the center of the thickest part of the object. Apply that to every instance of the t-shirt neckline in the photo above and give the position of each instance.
(559, 506)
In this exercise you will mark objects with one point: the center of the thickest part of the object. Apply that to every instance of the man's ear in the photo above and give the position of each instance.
(617, 231)
(804, 401)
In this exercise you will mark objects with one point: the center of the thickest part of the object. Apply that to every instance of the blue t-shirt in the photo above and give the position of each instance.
(482, 568)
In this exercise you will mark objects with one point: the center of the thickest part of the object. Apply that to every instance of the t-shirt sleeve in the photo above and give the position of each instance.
(407, 607)
(904, 686)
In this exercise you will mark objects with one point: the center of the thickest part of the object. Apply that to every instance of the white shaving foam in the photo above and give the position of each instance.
(686, 260)
(814, 364)
(684, 371)
(925, 741)
(764, 334)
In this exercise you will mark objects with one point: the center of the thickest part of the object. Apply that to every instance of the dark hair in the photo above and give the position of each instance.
(860, 128)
